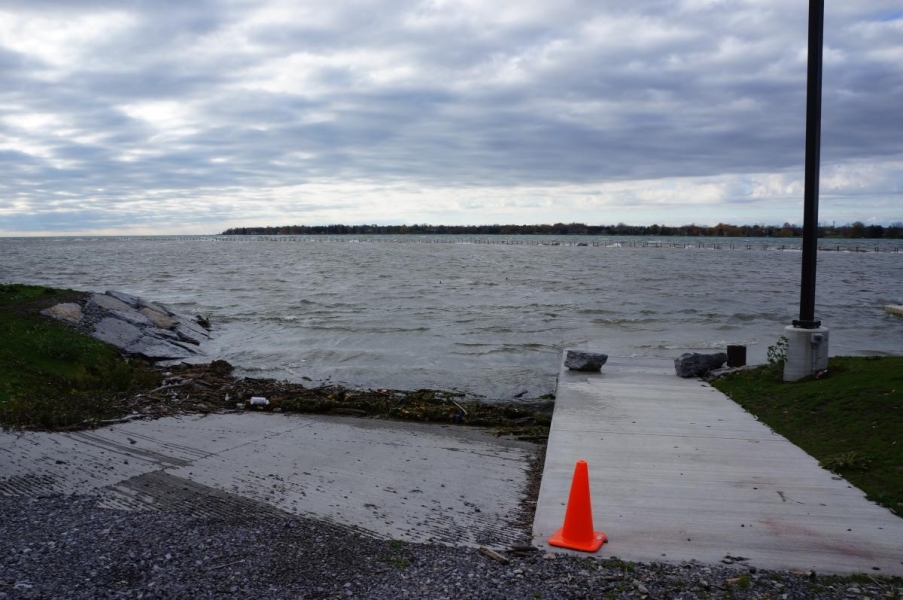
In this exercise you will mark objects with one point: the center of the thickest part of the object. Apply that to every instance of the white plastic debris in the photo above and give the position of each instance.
(259, 401)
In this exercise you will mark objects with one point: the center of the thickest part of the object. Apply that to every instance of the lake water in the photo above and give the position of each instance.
(487, 318)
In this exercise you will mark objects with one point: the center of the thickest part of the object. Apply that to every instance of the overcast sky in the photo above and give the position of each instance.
(190, 116)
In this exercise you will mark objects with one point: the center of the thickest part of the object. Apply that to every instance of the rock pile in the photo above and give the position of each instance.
(134, 325)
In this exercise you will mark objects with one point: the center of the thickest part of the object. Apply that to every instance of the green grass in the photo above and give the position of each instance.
(398, 556)
(51, 376)
(850, 420)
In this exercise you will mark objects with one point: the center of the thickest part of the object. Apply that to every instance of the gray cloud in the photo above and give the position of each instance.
(249, 108)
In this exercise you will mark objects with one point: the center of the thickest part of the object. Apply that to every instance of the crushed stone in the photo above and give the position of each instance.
(67, 547)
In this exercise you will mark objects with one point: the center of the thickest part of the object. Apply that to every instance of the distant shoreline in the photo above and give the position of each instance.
(857, 230)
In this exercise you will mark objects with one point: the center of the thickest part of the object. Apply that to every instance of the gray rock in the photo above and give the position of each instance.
(584, 361)
(157, 317)
(116, 332)
(131, 316)
(68, 312)
(153, 348)
(102, 302)
(190, 332)
(694, 364)
(160, 308)
(133, 301)
(166, 334)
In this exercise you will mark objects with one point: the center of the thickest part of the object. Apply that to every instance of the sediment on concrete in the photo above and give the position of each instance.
(413, 482)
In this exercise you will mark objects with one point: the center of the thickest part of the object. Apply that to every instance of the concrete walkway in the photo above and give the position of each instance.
(407, 481)
(679, 472)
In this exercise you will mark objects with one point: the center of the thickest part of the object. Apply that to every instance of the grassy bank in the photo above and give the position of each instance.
(51, 375)
(850, 420)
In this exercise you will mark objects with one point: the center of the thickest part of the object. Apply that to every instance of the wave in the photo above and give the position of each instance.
(700, 344)
(504, 318)
(509, 349)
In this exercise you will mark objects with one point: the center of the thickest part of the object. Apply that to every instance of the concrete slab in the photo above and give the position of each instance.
(406, 481)
(680, 472)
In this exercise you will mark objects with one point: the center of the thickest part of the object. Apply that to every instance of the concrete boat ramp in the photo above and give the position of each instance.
(680, 472)
(677, 472)
(392, 480)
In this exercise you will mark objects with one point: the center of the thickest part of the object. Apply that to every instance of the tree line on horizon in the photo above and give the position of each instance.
(856, 230)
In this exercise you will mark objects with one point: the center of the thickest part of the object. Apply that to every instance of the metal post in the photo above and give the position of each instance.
(813, 146)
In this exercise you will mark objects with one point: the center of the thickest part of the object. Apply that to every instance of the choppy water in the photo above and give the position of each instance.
(490, 319)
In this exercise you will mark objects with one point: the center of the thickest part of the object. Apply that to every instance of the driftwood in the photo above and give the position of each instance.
(170, 386)
(494, 555)
(206, 388)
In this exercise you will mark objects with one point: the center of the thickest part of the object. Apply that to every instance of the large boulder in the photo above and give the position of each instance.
(189, 331)
(694, 364)
(158, 317)
(116, 332)
(68, 312)
(576, 360)
(102, 302)
(153, 348)
(133, 301)
(131, 316)
(135, 326)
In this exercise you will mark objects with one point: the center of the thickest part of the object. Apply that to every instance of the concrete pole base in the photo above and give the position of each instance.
(807, 352)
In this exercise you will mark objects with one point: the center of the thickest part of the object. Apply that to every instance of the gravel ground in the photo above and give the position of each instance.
(67, 547)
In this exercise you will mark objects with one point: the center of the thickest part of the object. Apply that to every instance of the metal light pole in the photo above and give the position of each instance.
(813, 154)
(807, 349)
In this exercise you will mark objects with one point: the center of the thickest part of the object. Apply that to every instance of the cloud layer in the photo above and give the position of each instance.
(180, 117)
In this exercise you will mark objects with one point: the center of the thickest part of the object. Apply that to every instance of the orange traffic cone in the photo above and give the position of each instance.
(577, 533)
